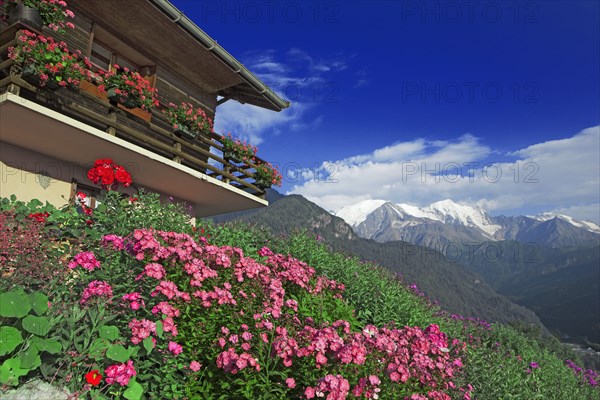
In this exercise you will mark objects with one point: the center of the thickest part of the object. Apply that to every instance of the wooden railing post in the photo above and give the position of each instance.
(112, 115)
(177, 147)
(227, 170)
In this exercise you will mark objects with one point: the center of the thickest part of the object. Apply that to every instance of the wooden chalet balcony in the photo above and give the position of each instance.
(199, 158)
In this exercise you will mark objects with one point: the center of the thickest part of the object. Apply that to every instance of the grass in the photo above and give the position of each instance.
(499, 358)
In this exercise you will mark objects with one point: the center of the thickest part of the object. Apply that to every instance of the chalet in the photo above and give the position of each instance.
(51, 134)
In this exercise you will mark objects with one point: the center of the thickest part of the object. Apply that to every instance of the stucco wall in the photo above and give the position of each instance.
(30, 175)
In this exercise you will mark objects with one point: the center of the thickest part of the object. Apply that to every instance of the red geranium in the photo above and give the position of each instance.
(93, 377)
(108, 174)
(40, 217)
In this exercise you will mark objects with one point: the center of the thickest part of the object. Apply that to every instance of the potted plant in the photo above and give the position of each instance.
(48, 63)
(266, 175)
(236, 150)
(127, 88)
(52, 13)
(188, 121)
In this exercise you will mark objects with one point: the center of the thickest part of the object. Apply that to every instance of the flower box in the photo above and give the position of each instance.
(236, 150)
(262, 183)
(38, 13)
(29, 74)
(20, 13)
(231, 156)
(188, 121)
(90, 88)
(266, 175)
(185, 133)
(126, 101)
(46, 62)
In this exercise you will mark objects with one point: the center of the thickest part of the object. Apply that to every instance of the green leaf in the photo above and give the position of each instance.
(39, 302)
(51, 346)
(134, 391)
(159, 329)
(28, 357)
(133, 351)
(98, 348)
(14, 304)
(37, 325)
(11, 370)
(148, 345)
(117, 353)
(10, 338)
(109, 332)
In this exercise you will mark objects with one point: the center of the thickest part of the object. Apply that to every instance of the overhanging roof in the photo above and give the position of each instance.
(165, 34)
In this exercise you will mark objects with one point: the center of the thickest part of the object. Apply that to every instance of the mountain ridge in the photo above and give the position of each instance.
(446, 222)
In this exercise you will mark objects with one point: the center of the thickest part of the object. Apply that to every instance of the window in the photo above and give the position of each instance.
(103, 57)
(84, 196)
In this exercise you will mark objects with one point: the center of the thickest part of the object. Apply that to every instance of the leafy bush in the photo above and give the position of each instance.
(24, 334)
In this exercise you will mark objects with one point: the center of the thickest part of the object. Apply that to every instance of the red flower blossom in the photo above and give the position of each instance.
(93, 377)
(40, 217)
(108, 174)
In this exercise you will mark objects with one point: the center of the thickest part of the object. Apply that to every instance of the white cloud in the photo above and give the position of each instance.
(296, 78)
(553, 175)
(250, 123)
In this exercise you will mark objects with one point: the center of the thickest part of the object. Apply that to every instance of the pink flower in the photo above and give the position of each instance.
(96, 288)
(140, 330)
(166, 309)
(309, 392)
(290, 382)
(86, 259)
(155, 270)
(195, 366)
(175, 348)
(120, 373)
(115, 241)
(265, 252)
(374, 380)
(135, 300)
(169, 326)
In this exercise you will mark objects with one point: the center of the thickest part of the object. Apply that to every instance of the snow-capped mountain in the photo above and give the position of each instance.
(357, 213)
(446, 222)
(590, 226)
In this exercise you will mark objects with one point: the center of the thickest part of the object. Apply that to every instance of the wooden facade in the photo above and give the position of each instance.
(137, 34)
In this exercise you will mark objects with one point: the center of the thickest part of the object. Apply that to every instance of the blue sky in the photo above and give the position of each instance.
(495, 103)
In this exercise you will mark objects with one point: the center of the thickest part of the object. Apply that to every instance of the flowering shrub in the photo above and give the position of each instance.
(132, 88)
(266, 175)
(185, 115)
(588, 376)
(54, 13)
(108, 174)
(251, 315)
(23, 250)
(237, 149)
(48, 59)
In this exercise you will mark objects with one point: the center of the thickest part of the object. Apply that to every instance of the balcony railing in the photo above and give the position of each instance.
(147, 130)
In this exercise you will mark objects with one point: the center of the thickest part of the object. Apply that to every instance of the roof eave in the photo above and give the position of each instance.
(210, 44)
